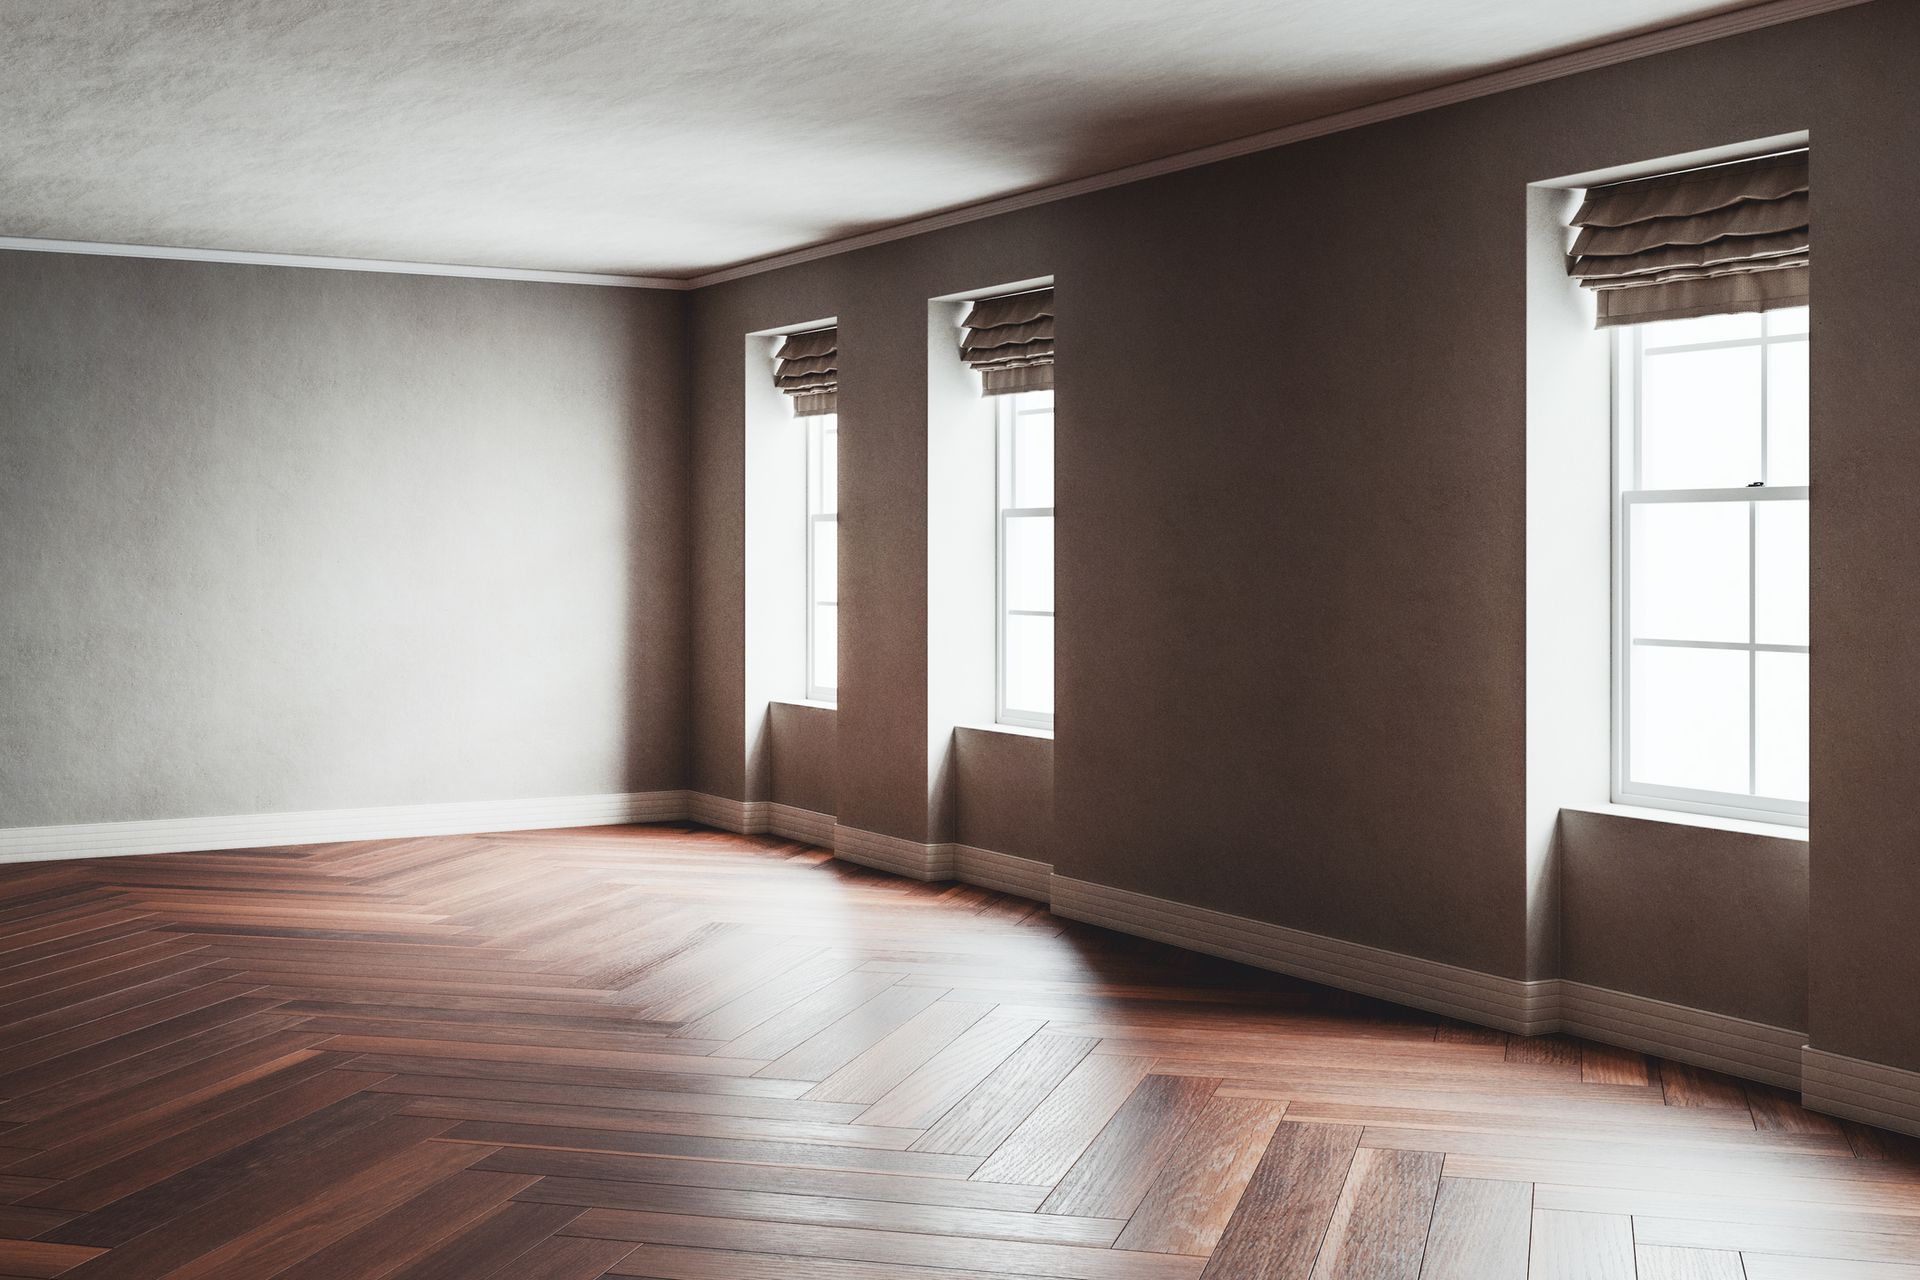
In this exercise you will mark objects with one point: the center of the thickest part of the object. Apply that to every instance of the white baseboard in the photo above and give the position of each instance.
(1751, 1050)
(1856, 1089)
(1021, 877)
(910, 858)
(321, 826)
(1511, 1004)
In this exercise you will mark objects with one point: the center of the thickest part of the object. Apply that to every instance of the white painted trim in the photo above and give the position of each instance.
(248, 257)
(321, 826)
(1608, 54)
(1870, 1092)
(1511, 1004)
(910, 858)
(1021, 877)
(1736, 1046)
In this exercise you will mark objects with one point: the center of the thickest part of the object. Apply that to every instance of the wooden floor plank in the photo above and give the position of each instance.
(1277, 1228)
(1204, 1174)
(676, 1053)
(1113, 1173)
(1379, 1225)
(1581, 1246)
(1480, 1231)
(1659, 1262)
(1047, 1142)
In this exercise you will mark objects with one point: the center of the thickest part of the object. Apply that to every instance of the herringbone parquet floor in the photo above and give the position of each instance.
(665, 1052)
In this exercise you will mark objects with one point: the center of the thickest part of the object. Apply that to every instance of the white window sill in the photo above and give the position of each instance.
(806, 702)
(1680, 818)
(1017, 730)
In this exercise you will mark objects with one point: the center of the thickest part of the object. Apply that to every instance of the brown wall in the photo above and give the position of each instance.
(1696, 916)
(276, 540)
(804, 756)
(1003, 792)
(1292, 498)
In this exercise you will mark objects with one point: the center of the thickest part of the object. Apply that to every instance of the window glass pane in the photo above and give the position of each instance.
(1689, 718)
(1780, 572)
(1033, 460)
(1688, 561)
(1700, 419)
(1787, 413)
(1029, 664)
(1702, 329)
(1029, 567)
(1780, 716)
(829, 478)
(1788, 320)
(826, 561)
(826, 651)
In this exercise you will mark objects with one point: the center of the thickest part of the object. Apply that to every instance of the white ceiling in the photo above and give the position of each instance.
(668, 137)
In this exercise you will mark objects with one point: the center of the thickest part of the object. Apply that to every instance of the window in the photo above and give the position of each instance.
(1025, 561)
(823, 556)
(1710, 553)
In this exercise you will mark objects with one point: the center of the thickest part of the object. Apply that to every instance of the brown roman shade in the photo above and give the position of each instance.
(1727, 238)
(1010, 341)
(805, 369)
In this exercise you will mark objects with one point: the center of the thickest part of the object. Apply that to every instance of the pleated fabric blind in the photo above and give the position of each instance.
(805, 369)
(1728, 238)
(1010, 341)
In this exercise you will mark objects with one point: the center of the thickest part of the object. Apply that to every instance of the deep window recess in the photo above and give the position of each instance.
(806, 368)
(1025, 560)
(823, 556)
(1710, 553)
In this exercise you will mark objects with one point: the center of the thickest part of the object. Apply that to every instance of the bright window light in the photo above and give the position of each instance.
(1711, 549)
(1025, 573)
(823, 557)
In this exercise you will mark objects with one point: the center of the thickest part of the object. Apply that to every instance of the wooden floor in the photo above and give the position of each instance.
(665, 1052)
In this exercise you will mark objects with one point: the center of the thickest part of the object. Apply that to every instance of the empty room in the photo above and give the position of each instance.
(877, 640)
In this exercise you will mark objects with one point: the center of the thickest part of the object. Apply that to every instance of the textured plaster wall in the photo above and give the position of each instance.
(1292, 440)
(274, 539)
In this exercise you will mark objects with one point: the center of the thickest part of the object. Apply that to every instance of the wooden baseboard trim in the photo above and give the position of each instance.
(742, 817)
(324, 826)
(910, 858)
(1005, 872)
(808, 826)
(1855, 1089)
(1511, 1004)
(1717, 1041)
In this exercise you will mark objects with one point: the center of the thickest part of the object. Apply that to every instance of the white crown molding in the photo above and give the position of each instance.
(1856, 1089)
(321, 826)
(1647, 44)
(247, 257)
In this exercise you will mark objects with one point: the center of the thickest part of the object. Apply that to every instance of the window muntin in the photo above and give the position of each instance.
(1711, 550)
(1024, 576)
(823, 556)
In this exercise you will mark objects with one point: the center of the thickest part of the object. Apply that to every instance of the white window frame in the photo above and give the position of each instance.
(817, 426)
(1629, 352)
(1006, 410)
